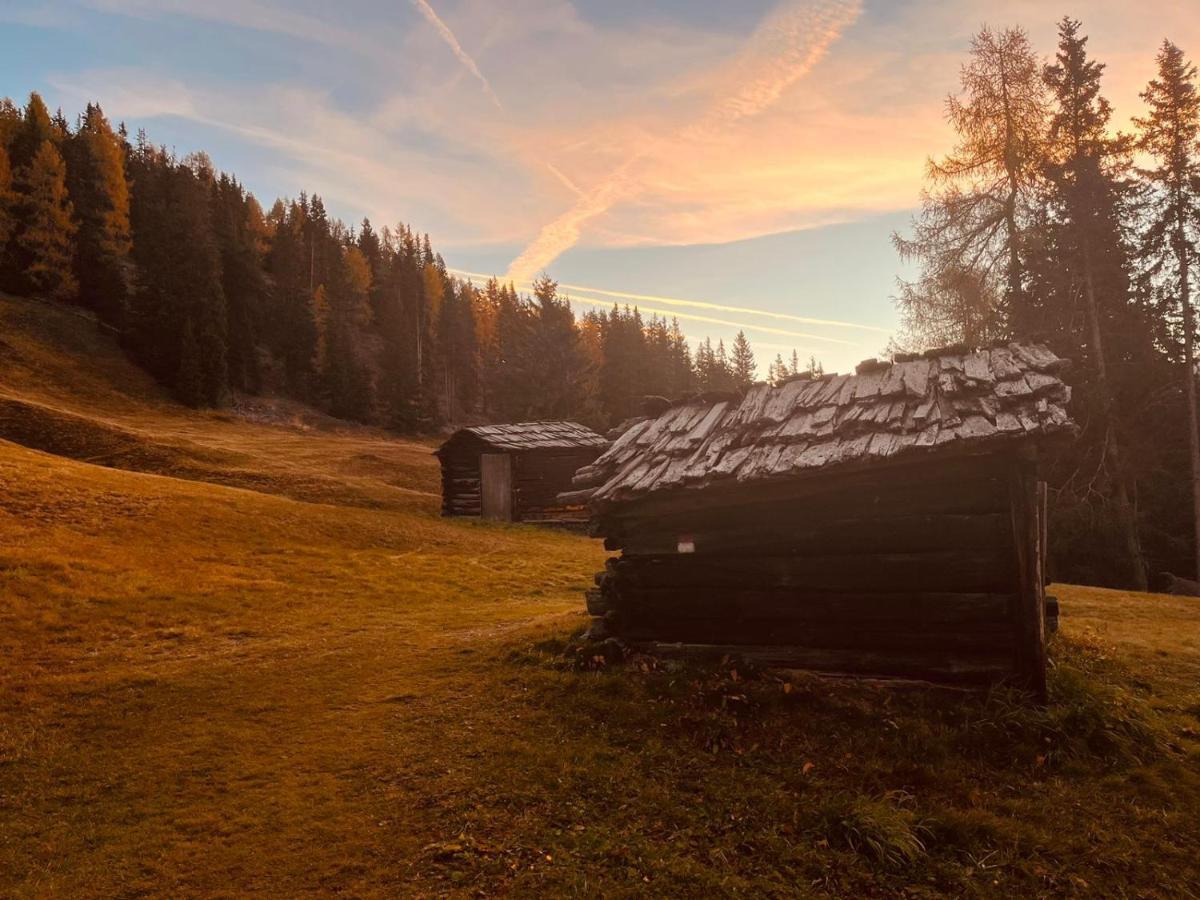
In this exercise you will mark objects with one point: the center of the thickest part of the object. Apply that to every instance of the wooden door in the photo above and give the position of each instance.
(495, 486)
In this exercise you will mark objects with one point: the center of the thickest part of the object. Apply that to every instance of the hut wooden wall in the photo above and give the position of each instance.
(539, 476)
(930, 572)
(460, 478)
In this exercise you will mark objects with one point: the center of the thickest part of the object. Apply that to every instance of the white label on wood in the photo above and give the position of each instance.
(687, 544)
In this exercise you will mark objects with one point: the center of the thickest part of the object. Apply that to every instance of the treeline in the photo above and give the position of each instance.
(1046, 222)
(214, 295)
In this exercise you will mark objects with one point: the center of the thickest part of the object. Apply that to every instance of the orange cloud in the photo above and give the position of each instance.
(782, 50)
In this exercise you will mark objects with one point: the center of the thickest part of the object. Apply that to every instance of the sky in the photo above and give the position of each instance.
(738, 165)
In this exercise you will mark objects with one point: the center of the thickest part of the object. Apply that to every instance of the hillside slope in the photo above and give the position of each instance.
(251, 658)
(67, 388)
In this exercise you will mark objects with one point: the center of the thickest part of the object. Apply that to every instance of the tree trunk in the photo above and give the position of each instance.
(1189, 361)
(1127, 520)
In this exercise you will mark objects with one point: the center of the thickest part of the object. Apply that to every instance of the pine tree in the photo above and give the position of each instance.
(742, 362)
(1170, 135)
(45, 239)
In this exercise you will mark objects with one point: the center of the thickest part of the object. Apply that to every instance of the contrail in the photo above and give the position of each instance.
(447, 35)
(566, 182)
(782, 50)
(716, 307)
(696, 304)
(745, 326)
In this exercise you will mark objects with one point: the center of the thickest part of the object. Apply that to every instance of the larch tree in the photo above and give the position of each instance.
(45, 238)
(35, 129)
(100, 193)
(1169, 134)
(969, 231)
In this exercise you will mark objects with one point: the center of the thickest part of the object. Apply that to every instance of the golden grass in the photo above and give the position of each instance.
(320, 686)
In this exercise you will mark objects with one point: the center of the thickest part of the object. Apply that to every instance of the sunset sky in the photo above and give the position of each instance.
(735, 164)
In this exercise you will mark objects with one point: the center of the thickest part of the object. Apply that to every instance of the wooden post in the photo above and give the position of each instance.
(1044, 522)
(1027, 542)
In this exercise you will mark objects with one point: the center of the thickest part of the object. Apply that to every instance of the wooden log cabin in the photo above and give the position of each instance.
(514, 473)
(886, 523)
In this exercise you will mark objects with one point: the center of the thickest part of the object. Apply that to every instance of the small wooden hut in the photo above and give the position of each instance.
(889, 522)
(514, 473)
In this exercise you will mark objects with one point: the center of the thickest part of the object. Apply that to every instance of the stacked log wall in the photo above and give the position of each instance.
(916, 574)
(539, 476)
(460, 482)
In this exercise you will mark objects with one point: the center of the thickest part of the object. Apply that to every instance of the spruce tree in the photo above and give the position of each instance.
(1170, 135)
(45, 240)
(742, 362)
(1086, 257)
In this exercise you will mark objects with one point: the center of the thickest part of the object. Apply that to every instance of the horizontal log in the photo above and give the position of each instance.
(858, 636)
(975, 571)
(966, 485)
(809, 606)
(933, 666)
(904, 533)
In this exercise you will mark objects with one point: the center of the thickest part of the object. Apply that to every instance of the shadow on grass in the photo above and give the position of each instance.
(718, 779)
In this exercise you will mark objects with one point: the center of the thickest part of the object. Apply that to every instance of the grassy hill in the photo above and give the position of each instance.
(241, 652)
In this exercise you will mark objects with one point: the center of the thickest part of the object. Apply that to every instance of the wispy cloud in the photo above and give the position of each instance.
(463, 57)
(783, 49)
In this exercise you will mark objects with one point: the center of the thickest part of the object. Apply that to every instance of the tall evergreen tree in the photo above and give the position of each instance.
(1087, 199)
(1170, 135)
(742, 362)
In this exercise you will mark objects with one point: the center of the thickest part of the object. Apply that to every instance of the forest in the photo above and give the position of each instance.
(1045, 221)
(215, 296)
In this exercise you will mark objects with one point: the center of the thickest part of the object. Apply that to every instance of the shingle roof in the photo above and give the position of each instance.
(939, 402)
(533, 436)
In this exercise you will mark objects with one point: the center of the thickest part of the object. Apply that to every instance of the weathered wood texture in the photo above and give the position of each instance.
(496, 486)
(933, 575)
(943, 404)
(1026, 511)
(541, 459)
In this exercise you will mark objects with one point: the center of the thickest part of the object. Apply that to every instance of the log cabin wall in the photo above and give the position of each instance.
(460, 479)
(926, 572)
(539, 476)
(544, 457)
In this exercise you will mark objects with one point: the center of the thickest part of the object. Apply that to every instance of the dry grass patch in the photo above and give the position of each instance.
(271, 667)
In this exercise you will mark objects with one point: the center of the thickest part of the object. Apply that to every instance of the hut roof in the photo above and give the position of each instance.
(531, 436)
(941, 402)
